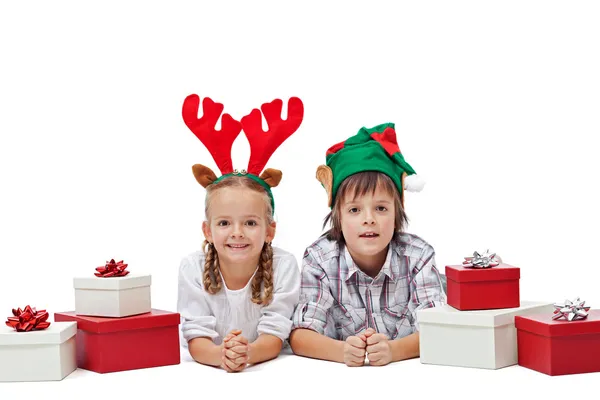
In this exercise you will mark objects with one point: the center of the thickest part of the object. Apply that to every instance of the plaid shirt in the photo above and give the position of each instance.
(338, 300)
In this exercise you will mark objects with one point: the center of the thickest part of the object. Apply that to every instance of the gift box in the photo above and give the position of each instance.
(559, 347)
(484, 339)
(119, 296)
(122, 344)
(483, 288)
(38, 355)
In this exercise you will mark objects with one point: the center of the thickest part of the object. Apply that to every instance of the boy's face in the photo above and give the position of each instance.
(238, 227)
(368, 222)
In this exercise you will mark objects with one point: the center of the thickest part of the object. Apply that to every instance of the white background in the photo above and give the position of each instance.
(495, 104)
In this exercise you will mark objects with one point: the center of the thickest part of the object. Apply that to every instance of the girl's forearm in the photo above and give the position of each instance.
(265, 347)
(204, 351)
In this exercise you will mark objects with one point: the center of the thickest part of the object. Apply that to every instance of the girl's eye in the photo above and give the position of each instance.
(381, 208)
(222, 223)
(353, 210)
(251, 223)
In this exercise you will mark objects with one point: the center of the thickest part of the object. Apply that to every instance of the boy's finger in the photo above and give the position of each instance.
(357, 358)
(356, 342)
(375, 356)
(356, 352)
(369, 332)
(378, 337)
(374, 348)
(355, 362)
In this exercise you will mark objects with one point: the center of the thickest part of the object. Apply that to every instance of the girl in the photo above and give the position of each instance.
(365, 279)
(236, 297)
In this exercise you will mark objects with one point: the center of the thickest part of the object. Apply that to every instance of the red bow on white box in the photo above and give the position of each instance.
(28, 319)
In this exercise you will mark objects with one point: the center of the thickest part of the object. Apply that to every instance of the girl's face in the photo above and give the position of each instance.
(368, 223)
(238, 225)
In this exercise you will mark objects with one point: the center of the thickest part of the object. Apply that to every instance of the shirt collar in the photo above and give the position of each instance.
(386, 269)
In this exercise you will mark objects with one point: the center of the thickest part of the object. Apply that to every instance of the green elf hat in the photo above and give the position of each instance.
(374, 149)
(262, 144)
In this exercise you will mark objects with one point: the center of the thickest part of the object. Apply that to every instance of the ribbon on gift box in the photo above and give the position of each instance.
(485, 260)
(571, 310)
(28, 319)
(112, 269)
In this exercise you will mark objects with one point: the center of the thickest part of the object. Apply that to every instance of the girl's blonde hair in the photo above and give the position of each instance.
(358, 185)
(263, 279)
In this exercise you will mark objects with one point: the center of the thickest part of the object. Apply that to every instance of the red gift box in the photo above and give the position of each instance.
(122, 344)
(483, 288)
(559, 347)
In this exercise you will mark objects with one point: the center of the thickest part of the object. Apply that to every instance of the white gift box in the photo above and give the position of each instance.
(478, 339)
(45, 355)
(112, 297)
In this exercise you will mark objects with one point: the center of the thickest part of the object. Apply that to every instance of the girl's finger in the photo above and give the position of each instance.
(241, 360)
(239, 349)
(230, 364)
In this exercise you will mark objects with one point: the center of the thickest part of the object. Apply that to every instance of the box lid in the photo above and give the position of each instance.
(447, 315)
(502, 272)
(542, 324)
(112, 283)
(153, 319)
(56, 333)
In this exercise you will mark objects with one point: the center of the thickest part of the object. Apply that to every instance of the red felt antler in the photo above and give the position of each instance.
(218, 143)
(263, 144)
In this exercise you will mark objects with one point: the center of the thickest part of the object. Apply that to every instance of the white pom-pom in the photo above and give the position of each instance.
(413, 183)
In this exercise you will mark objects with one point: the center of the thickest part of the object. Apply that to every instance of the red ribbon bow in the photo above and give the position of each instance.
(28, 319)
(112, 268)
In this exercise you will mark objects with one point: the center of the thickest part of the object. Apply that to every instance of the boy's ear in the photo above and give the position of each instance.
(204, 175)
(271, 176)
(271, 229)
(325, 176)
(206, 231)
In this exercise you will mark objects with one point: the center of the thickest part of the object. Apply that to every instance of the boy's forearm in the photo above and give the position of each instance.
(405, 348)
(204, 351)
(308, 343)
(265, 347)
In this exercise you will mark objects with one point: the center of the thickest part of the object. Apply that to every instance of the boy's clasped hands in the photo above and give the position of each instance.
(368, 343)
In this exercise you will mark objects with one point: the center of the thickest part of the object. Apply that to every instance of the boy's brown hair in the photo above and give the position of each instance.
(358, 185)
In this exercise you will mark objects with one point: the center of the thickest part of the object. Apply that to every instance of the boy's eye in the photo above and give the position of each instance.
(223, 223)
(381, 208)
(353, 210)
(251, 223)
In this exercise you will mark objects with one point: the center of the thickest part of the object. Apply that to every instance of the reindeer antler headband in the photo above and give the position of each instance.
(262, 144)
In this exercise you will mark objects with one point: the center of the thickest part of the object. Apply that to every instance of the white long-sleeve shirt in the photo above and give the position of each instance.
(215, 315)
